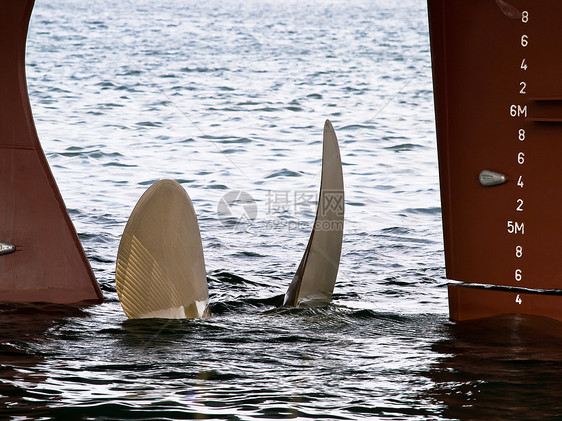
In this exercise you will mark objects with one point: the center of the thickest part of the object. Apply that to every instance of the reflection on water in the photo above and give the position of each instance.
(507, 367)
(23, 329)
(330, 363)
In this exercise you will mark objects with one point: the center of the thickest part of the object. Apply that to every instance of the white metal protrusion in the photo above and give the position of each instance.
(6, 248)
(491, 178)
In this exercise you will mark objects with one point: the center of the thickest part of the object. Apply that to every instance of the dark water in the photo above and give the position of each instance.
(226, 96)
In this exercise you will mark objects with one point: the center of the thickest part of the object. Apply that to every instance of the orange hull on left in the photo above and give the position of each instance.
(48, 264)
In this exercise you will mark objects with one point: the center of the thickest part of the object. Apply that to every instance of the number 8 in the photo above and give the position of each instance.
(525, 16)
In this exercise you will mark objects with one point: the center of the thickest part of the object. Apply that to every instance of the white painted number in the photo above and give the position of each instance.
(514, 227)
(518, 110)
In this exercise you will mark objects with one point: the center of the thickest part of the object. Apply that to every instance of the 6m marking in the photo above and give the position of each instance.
(516, 110)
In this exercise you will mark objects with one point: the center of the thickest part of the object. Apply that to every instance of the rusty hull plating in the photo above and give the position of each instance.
(48, 264)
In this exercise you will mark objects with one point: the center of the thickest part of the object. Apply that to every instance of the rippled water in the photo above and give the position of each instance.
(224, 96)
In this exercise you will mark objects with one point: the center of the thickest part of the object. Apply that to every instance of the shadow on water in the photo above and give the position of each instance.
(23, 327)
(505, 367)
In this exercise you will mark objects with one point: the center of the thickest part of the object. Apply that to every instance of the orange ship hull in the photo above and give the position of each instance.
(498, 107)
(48, 263)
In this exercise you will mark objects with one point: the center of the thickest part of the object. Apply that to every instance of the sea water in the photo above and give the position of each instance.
(229, 98)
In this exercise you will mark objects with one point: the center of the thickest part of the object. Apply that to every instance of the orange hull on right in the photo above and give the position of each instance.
(48, 264)
(497, 77)
(472, 302)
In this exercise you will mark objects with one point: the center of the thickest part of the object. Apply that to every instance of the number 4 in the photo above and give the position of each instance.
(518, 299)
(520, 181)
(524, 65)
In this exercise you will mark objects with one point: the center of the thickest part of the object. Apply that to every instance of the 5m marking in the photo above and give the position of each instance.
(514, 227)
